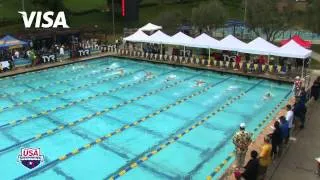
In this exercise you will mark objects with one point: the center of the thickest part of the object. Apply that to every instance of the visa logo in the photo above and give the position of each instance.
(44, 20)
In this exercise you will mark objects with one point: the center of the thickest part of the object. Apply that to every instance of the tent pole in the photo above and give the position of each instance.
(184, 51)
(160, 48)
(302, 73)
(209, 60)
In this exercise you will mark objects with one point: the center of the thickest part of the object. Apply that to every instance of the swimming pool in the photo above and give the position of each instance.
(115, 118)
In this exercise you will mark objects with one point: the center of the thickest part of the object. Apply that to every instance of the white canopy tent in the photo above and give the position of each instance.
(181, 39)
(206, 41)
(293, 50)
(150, 27)
(230, 43)
(260, 46)
(159, 38)
(138, 36)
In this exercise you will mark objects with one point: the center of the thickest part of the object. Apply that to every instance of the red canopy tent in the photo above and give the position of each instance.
(299, 40)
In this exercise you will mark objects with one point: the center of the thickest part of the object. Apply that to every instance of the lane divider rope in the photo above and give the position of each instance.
(31, 79)
(120, 130)
(133, 164)
(90, 116)
(59, 82)
(72, 103)
(98, 82)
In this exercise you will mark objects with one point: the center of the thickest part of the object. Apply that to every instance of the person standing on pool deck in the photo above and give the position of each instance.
(297, 86)
(241, 140)
(289, 118)
(265, 158)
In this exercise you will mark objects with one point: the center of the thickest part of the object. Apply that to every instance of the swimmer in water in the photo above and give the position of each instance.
(121, 71)
(267, 96)
(170, 78)
(199, 83)
(148, 75)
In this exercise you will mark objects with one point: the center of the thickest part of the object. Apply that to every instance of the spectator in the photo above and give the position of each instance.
(303, 95)
(297, 86)
(61, 51)
(17, 54)
(315, 89)
(276, 139)
(265, 157)
(252, 167)
(238, 60)
(284, 126)
(300, 111)
(241, 140)
(289, 118)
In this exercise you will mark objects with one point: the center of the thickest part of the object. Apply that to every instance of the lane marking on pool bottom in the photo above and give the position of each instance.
(118, 131)
(270, 116)
(90, 116)
(70, 90)
(90, 74)
(72, 103)
(49, 76)
(133, 164)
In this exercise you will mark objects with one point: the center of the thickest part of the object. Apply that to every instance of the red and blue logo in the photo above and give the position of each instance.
(30, 157)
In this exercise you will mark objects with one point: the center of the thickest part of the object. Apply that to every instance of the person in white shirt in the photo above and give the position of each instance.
(289, 118)
(62, 50)
(17, 54)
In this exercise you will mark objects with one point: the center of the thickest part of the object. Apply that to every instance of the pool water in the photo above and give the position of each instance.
(114, 118)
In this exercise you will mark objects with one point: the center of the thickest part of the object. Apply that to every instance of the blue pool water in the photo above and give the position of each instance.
(105, 118)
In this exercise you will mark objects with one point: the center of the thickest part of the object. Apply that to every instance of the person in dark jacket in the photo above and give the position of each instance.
(303, 95)
(300, 111)
(251, 168)
(276, 139)
(315, 89)
(284, 126)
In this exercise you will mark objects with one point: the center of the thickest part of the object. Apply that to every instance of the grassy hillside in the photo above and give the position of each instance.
(84, 5)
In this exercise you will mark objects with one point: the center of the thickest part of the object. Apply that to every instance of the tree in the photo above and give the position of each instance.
(208, 15)
(53, 5)
(169, 19)
(313, 16)
(266, 18)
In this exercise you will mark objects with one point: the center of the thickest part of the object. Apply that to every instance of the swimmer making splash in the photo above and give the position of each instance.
(171, 77)
(121, 71)
(148, 75)
(267, 96)
(199, 83)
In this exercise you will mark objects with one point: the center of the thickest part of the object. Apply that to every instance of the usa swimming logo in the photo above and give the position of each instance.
(30, 157)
